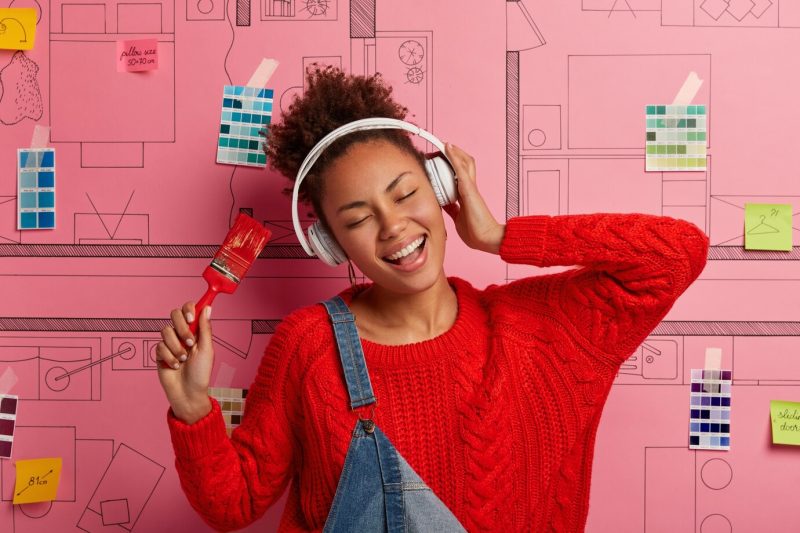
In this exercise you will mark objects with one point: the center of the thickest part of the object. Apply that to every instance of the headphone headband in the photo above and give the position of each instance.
(379, 123)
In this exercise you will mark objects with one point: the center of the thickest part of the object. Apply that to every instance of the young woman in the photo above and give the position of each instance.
(492, 396)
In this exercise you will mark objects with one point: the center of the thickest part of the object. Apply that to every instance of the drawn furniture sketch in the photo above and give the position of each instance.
(136, 109)
(549, 97)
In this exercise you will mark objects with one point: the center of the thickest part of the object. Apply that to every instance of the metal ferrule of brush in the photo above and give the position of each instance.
(229, 266)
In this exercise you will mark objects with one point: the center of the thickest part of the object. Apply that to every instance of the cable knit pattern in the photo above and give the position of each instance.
(498, 414)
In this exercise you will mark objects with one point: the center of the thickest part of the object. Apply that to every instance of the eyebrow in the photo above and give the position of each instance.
(362, 203)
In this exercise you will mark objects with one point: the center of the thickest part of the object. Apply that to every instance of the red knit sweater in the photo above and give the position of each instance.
(498, 415)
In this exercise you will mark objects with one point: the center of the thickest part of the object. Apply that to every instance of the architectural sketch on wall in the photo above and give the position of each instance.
(703, 13)
(123, 492)
(205, 10)
(737, 14)
(317, 10)
(82, 36)
(548, 97)
(20, 96)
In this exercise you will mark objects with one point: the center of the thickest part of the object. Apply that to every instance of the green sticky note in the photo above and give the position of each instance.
(785, 422)
(768, 227)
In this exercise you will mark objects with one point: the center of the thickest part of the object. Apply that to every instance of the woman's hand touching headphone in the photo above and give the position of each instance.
(475, 224)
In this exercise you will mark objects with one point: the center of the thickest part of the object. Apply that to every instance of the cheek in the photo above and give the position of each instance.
(431, 215)
(357, 243)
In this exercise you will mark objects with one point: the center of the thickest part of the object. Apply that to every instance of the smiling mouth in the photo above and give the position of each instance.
(408, 254)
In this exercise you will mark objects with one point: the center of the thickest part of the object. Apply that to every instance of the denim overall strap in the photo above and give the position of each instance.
(394, 504)
(350, 352)
(377, 490)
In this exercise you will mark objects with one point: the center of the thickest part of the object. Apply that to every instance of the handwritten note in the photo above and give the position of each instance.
(137, 55)
(17, 28)
(785, 422)
(37, 480)
(768, 227)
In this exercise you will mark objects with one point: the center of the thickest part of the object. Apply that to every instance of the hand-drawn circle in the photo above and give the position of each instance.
(317, 7)
(202, 10)
(35, 510)
(415, 75)
(411, 52)
(56, 385)
(38, 9)
(716, 523)
(287, 97)
(650, 359)
(130, 354)
(716, 474)
(153, 355)
(537, 137)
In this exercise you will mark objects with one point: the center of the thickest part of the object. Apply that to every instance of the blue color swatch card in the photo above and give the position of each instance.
(36, 188)
(710, 410)
(245, 112)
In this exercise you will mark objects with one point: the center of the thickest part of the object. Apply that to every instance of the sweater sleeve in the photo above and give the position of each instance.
(232, 482)
(633, 268)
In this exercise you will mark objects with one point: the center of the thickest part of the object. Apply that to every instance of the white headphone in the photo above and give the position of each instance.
(439, 169)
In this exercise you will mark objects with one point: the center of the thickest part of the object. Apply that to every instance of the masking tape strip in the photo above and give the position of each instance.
(263, 73)
(224, 375)
(8, 380)
(713, 362)
(688, 90)
(41, 136)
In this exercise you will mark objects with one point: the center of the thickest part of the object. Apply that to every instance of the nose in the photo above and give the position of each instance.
(393, 223)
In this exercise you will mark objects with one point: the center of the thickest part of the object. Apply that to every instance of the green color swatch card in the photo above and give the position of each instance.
(785, 422)
(768, 227)
(675, 138)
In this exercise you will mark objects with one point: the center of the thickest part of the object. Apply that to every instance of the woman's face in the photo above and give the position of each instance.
(383, 212)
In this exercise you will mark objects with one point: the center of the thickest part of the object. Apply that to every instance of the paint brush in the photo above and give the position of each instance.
(244, 242)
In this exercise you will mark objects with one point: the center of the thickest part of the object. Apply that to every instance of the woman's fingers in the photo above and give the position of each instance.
(461, 159)
(179, 320)
(171, 350)
(464, 166)
(204, 330)
(166, 357)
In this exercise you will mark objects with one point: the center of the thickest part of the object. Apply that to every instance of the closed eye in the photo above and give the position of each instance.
(407, 195)
(356, 223)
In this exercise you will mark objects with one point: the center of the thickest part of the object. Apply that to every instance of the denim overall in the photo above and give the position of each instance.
(378, 490)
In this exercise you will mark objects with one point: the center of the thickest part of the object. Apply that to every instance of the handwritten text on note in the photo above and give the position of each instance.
(137, 55)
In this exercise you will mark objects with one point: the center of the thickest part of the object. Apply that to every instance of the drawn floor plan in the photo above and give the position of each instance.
(549, 97)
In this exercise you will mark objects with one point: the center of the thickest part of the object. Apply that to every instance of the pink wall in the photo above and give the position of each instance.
(548, 96)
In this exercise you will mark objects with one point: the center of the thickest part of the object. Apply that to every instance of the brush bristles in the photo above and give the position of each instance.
(244, 242)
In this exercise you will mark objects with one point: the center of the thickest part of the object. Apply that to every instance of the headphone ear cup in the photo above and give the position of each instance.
(443, 179)
(325, 246)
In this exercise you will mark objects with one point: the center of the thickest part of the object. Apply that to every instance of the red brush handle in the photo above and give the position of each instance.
(200, 306)
(217, 283)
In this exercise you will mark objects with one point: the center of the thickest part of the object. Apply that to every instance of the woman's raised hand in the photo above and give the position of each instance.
(475, 224)
(185, 363)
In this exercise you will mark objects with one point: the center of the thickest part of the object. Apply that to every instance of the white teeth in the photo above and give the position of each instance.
(407, 250)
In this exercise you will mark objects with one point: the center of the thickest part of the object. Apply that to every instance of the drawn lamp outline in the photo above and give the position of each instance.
(52, 371)
(3, 28)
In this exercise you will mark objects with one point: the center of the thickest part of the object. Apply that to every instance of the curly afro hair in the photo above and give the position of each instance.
(332, 99)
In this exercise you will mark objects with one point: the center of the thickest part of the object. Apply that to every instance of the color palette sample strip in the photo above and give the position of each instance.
(36, 188)
(710, 410)
(8, 419)
(231, 401)
(245, 112)
(675, 138)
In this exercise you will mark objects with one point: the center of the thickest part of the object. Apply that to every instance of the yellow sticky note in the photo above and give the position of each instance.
(785, 422)
(17, 28)
(768, 227)
(37, 480)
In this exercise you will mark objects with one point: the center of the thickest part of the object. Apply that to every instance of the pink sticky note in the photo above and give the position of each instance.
(137, 55)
